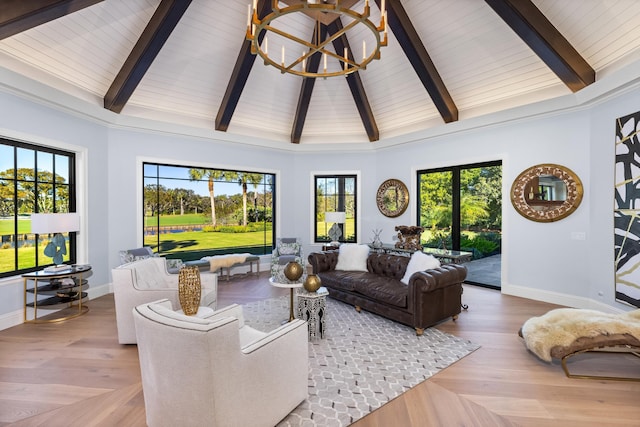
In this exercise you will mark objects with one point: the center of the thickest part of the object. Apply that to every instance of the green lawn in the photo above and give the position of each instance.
(6, 226)
(200, 240)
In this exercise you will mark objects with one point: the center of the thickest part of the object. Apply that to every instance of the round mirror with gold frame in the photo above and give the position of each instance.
(546, 192)
(392, 198)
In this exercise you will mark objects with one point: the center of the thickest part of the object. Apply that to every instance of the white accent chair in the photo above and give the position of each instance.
(147, 280)
(217, 371)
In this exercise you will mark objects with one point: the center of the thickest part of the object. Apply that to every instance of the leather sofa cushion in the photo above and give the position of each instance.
(380, 288)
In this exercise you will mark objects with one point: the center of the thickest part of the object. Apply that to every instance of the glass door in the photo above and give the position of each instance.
(460, 208)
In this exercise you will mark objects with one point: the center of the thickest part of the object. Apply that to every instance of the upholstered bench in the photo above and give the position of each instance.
(566, 332)
(205, 264)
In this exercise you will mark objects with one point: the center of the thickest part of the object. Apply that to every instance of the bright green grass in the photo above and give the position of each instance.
(200, 240)
(186, 219)
(6, 226)
(26, 258)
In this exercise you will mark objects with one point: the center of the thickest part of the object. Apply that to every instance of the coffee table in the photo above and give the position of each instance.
(291, 287)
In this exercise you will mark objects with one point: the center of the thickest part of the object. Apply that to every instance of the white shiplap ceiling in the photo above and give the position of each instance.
(484, 64)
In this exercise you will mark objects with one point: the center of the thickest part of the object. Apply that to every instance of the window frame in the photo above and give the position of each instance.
(189, 255)
(356, 204)
(71, 183)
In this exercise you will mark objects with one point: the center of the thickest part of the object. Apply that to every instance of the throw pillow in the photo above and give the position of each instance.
(352, 257)
(419, 262)
(289, 248)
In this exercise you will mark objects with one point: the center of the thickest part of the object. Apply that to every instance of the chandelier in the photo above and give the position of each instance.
(323, 12)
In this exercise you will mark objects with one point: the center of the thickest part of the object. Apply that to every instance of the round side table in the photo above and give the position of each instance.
(291, 287)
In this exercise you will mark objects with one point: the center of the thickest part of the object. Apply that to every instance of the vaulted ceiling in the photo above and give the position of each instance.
(188, 63)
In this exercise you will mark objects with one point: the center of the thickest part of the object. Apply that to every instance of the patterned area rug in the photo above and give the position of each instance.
(362, 362)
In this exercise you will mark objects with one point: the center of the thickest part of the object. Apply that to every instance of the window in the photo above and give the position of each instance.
(336, 193)
(33, 179)
(193, 212)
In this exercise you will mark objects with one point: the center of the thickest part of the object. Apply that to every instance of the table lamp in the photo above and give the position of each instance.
(55, 223)
(335, 232)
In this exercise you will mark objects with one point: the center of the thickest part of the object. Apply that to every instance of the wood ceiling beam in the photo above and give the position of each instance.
(17, 16)
(355, 84)
(307, 88)
(546, 41)
(155, 34)
(415, 51)
(240, 74)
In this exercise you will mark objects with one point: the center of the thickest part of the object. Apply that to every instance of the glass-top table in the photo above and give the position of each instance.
(453, 257)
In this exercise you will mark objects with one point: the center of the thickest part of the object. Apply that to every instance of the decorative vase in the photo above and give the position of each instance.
(377, 243)
(312, 283)
(189, 289)
(293, 271)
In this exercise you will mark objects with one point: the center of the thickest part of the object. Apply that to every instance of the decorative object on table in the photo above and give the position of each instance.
(189, 289)
(377, 243)
(335, 232)
(409, 237)
(392, 198)
(267, 25)
(56, 224)
(546, 192)
(312, 283)
(293, 271)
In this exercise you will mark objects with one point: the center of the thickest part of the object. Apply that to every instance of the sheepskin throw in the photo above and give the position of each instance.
(556, 333)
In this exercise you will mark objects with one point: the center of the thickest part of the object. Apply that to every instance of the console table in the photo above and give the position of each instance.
(452, 257)
(57, 287)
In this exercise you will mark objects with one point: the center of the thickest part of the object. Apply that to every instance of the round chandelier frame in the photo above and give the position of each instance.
(299, 66)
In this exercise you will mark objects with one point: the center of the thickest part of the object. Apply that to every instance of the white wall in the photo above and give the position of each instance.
(540, 260)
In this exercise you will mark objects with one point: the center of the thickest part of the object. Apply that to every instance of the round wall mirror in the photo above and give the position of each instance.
(546, 192)
(392, 198)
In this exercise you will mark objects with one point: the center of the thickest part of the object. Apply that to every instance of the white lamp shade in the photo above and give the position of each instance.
(335, 217)
(47, 223)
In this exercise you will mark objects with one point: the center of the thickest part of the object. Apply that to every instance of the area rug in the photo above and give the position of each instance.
(362, 362)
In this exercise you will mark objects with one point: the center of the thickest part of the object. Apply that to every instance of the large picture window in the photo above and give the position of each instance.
(33, 179)
(192, 212)
(336, 193)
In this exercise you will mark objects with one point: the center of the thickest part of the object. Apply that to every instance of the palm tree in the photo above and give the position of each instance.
(243, 180)
(211, 175)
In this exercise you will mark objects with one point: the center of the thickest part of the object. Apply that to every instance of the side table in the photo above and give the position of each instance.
(291, 287)
(312, 308)
(59, 287)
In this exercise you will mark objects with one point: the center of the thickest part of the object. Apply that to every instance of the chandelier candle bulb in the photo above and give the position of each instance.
(325, 62)
(364, 50)
(346, 65)
(283, 56)
(266, 45)
(383, 7)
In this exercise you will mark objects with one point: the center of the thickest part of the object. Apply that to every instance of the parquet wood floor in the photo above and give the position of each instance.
(75, 373)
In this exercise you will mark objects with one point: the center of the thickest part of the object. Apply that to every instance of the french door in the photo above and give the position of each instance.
(460, 208)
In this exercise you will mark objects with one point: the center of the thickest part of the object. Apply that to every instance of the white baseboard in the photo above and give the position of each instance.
(16, 317)
(557, 298)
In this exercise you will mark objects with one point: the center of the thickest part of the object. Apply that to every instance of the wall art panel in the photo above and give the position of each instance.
(627, 210)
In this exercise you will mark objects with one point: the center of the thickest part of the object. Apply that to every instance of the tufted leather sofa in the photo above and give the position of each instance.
(431, 296)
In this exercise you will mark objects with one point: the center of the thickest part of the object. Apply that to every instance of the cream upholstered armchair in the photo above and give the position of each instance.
(147, 280)
(287, 249)
(217, 371)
